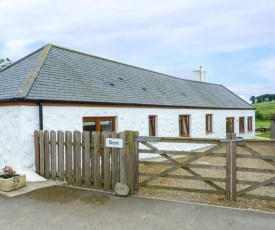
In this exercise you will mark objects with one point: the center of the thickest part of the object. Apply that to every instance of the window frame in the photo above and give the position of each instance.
(152, 122)
(231, 119)
(182, 119)
(209, 117)
(241, 124)
(97, 121)
(250, 124)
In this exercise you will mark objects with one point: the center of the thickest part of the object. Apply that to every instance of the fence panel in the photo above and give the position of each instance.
(81, 158)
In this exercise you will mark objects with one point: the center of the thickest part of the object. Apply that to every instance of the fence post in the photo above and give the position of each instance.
(136, 162)
(228, 168)
(272, 128)
(231, 167)
(130, 177)
(234, 168)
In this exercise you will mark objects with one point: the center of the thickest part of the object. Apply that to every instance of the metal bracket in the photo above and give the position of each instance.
(232, 140)
(147, 139)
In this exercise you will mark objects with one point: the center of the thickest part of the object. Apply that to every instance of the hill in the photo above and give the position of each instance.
(266, 108)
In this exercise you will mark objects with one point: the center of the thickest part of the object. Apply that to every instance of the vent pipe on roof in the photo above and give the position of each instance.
(200, 75)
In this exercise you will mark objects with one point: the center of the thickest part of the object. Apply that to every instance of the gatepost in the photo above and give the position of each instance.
(231, 166)
(272, 127)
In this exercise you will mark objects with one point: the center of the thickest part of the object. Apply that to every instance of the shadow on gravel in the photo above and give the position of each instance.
(63, 195)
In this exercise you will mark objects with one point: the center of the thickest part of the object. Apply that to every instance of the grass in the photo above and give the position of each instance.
(266, 134)
(266, 108)
(265, 123)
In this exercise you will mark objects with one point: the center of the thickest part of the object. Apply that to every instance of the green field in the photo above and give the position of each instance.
(266, 108)
(266, 134)
(265, 123)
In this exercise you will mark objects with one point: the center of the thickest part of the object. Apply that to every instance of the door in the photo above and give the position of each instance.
(230, 125)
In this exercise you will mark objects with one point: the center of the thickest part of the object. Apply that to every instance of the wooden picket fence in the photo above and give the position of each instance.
(82, 159)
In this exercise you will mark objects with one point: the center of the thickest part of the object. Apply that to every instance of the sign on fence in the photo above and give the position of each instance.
(114, 143)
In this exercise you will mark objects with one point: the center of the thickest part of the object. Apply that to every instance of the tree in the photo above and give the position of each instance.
(259, 116)
(4, 63)
(253, 99)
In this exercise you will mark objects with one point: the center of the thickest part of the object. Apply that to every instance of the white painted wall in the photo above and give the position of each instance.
(10, 136)
(68, 118)
(19, 122)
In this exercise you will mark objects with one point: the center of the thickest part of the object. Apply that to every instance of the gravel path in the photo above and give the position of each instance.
(244, 203)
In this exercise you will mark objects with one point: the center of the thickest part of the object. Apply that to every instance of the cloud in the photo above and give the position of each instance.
(266, 69)
(173, 37)
(17, 48)
(210, 26)
(246, 91)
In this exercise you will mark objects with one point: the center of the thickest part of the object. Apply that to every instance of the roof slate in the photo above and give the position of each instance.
(54, 73)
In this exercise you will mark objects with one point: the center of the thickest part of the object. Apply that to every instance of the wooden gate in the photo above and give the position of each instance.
(253, 170)
(186, 161)
(219, 158)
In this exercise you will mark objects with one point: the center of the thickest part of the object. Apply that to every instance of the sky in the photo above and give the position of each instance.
(234, 41)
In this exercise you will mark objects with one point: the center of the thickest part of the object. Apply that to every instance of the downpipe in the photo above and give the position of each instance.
(40, 106)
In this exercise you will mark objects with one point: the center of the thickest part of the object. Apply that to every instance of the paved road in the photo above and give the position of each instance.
(60, 207)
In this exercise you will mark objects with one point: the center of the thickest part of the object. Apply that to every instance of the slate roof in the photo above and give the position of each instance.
(54, 73)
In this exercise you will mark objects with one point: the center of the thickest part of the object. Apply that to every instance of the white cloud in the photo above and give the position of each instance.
(205, 25)
(16, 48)
(246, 91)
(166, 36)
(266, 69)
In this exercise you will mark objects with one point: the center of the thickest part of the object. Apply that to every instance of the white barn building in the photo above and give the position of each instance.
(55, 88)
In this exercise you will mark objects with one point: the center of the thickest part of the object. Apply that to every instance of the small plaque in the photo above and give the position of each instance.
(114, 143)
(121, 189)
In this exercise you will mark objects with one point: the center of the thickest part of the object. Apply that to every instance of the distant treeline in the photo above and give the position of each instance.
(262, 98)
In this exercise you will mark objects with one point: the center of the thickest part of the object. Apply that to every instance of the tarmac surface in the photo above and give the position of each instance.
(63, 207)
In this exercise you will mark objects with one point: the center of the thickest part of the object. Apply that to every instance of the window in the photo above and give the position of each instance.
(249, 124)
(230, 125)
(208, 121)
(184, 125)
(99, 124)
(241, 124)
(152, 125)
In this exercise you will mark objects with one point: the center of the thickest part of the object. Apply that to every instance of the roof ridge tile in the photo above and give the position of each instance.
(27, 85)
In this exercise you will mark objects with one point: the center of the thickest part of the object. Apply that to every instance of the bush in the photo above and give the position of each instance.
(259, 116)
